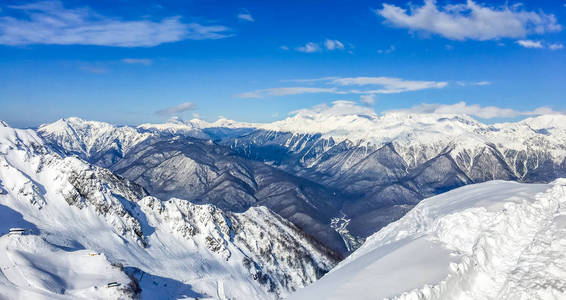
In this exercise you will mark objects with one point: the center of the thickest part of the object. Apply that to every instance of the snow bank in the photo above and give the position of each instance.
(495, 240)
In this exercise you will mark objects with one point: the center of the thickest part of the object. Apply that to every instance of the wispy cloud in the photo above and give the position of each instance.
(539, 45)
(530, 44)
(484, 112)
(333, 45)
(285, 91)
(388, 85)
(470, 20)
(50, 22)
(328, 44)
(473, 83)
(137, 61)
(339, 85)
(367, 99)
(175, 110)
(309, 47)
(245, 15)
(386, 51)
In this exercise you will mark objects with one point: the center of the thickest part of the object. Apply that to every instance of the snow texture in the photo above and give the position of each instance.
(495, 240)
(151, 248)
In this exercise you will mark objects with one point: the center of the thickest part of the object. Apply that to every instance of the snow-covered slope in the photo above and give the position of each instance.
(193, 127)
(32, 268)
(99, 141)
(203, 172)
(172, 248)
(379, 166)
(388, 163)
(495, 240)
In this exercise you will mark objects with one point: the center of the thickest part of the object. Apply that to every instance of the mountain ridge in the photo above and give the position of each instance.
(173, 247)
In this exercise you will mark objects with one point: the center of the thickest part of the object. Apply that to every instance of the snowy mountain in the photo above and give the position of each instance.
(87, 227)
(99, 141)
(342, 162)
(386, 164)
(250, 211)
(203, 172)
(495, 240)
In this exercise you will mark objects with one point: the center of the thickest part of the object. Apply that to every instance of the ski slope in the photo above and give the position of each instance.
(494, 240)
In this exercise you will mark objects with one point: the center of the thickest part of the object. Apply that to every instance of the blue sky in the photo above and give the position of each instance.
(130, 62)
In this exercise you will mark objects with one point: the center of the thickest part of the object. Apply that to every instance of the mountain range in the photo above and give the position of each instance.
(322, 168)
(77, 214)
(232, 210)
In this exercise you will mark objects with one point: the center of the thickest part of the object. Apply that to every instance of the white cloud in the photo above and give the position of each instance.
(245, 16)
(328, 44)
(473, 83)
(470, 20)
(539, 45)
(484, 112)
(333, 45)
(367, 99)
(137, 61)
(390, 85)
(338, 108)
(174, 110)
(50, 23)
(530, 44)
(285, 91)
(309, 47)
(386, 51)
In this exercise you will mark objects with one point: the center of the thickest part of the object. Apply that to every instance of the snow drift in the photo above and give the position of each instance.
(494, 240)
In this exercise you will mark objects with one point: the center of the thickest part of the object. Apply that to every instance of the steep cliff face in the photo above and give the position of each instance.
(271, 250)
(170, 248)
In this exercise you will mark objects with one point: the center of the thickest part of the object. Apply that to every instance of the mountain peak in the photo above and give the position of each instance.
(175, 120)
(546, 121)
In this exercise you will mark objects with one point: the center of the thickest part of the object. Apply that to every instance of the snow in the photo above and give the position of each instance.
(192, 127)
(340, 225)
(32, 267)
(174, 249)
(483, 241)
(417, 137)
(495, 240)
(88, 137)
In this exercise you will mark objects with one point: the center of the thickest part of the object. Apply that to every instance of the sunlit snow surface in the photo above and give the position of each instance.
(175, 249)
(495, 240)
